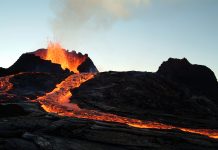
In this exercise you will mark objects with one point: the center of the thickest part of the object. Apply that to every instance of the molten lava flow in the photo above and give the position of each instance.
(58, 102)
(5, 84)
(56, 54)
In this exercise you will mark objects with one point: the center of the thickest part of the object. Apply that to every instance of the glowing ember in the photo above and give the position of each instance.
(58, 102)
(56, 54)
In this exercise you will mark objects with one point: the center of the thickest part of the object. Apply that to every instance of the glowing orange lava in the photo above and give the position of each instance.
(56, 54)
(5, 84)
(58, 102)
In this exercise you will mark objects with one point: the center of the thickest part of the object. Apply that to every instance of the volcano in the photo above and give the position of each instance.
(57, 99)
(73, 61)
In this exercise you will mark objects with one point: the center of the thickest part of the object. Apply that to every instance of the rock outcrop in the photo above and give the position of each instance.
(200, 79)
(87, 66)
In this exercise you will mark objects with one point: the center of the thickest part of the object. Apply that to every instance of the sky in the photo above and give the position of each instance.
(119, 35)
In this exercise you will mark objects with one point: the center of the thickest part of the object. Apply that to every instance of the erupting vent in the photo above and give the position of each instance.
(56, 54)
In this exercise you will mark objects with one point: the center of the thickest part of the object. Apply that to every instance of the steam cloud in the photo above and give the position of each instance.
(73, 15)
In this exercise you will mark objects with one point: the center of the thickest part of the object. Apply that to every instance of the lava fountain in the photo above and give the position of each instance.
(56, 54)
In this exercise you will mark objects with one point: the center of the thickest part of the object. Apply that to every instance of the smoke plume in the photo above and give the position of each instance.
(75, 16)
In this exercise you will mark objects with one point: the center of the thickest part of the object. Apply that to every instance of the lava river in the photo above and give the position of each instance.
(58, 102)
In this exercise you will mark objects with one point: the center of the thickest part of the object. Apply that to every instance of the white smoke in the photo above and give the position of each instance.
(73, 16)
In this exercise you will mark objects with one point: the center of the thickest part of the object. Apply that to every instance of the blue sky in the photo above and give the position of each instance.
(162, 29)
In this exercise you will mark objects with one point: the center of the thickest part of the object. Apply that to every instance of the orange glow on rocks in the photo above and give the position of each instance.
(5, 84)
(56, 54)
(58, 102)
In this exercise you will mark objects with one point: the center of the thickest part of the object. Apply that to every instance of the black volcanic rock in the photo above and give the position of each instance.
(34, 84)
(87, 66)
(200, 79)
(32, 63)
(11, 110)
(45, 132)
(146, 96)
(3, 71)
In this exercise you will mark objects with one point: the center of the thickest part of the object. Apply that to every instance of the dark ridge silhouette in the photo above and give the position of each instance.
(32, 63)
(87, 66)
(200, 79)
(3, 71)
